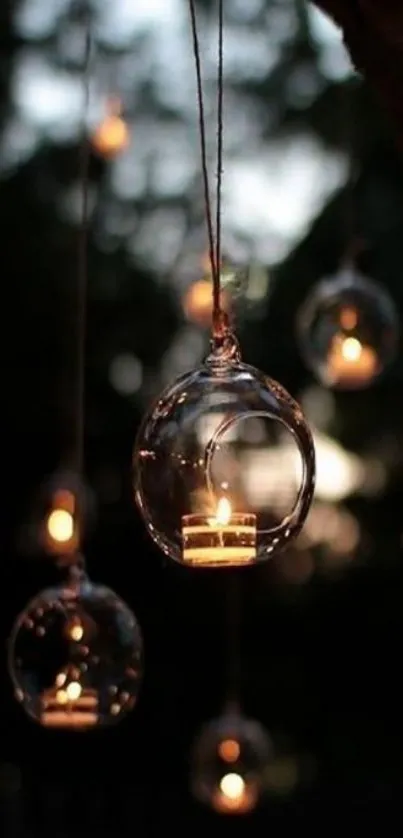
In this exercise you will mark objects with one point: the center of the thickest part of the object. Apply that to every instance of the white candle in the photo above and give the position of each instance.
(225, 538)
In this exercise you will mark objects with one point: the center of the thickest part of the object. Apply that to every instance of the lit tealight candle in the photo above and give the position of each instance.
(226, 538)
(69, 705)
(350, 361)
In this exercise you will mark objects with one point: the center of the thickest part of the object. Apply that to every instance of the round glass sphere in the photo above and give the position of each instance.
(229, 763)
(224, 465)
(75, 657)
(348, 331)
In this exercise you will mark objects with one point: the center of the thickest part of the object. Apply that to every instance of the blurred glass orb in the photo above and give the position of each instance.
(198, 302)
(75, 657)
(224, 465)
(229, 763)
(112, 135)
(348, 331)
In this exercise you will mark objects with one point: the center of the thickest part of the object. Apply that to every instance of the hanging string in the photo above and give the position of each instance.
(202, 134)
(233, 631)
(82, 259)
(353, 243)
(77, 568)
(219, 318)
(220, 136)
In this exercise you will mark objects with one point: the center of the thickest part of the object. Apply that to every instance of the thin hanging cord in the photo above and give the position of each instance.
(203, 143)
(219, 317)
(353, 243)
(82, 260)
(233, 631)
(220, 136)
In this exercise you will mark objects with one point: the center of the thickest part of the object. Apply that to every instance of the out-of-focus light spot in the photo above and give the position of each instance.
(258, 284)
(44, 95)
(259, 191)
(232, 786)
(338, 473)
(126, 374)
(198, 302)
(229, 750)
(334, 60)
(36, 19)
(333, 528)
(60, 525)
(111, 136)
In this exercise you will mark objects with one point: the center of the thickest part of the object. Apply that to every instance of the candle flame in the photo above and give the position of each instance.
(70, 693)
(60, 525)
(351, 350)
(232, 786)
(224, 512)
(76, 632)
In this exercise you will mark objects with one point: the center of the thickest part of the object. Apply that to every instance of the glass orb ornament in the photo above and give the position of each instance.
(229, 762)
(224, 464)
(348, 331)
(75, 657)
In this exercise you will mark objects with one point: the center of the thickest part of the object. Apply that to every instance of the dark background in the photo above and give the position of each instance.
(321, 643)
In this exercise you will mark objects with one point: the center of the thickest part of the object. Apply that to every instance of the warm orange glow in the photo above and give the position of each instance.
(198, 302)
(76, 632)
(348, 319)
(224, 512)
(60, 525)
(229, 750)
(350, 361)
(112, 134)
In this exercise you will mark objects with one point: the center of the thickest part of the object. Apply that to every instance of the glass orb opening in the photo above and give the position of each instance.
(224, 467)
(348, 331)
(75, 657)
(229, 762)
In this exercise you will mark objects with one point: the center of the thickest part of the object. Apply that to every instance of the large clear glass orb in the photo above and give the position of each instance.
(348, 331)
(224, 465)
(229, 763)
(75, 657)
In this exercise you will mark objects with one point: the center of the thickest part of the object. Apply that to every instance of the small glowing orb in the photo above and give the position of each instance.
(232, 786)
(229, 750)
(348, 319)
(112, 134)
(198, 302)
(351, 349)
(60, 525)
(76, 632)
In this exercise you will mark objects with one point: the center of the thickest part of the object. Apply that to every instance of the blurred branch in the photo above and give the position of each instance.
(373, 34)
